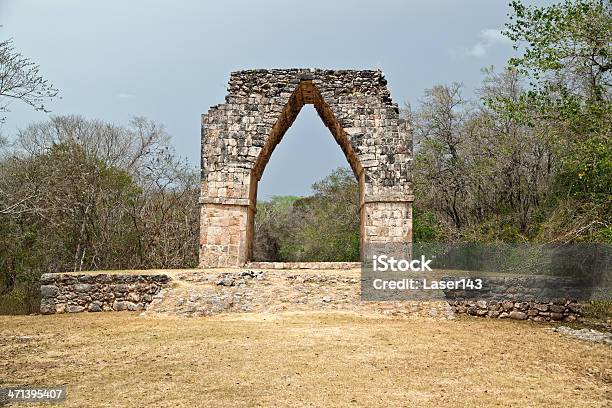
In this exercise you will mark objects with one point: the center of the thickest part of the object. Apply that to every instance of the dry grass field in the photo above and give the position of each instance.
(302, 359)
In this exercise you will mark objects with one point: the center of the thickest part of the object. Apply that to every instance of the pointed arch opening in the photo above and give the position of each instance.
(304, 94)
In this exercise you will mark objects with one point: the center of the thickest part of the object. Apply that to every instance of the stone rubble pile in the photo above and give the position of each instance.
(274, 291)
(304, 265)
(318, 278)
(238, 278)
(586, 334)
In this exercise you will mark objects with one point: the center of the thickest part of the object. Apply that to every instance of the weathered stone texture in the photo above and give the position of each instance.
(70, 293)
(238, 138)
(566, 309)
(540, 289)
(388, 222)
(222, 234)
(528, 297)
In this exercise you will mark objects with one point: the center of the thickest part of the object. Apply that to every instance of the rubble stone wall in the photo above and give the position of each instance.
(72, 293)
(238, 138)
(566, 310)
(537, 298)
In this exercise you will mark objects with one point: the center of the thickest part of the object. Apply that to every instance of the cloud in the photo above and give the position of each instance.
(493, 36)
(125, 96)
(477, 50)
(489, 37)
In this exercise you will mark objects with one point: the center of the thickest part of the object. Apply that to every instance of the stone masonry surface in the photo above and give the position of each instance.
(72, 293)
(214, 291)
(561, 309)
(303, 265)
(530, 297)
(211, 292)
(238, 138)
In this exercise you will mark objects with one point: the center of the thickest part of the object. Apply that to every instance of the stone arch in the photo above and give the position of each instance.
(239, 136)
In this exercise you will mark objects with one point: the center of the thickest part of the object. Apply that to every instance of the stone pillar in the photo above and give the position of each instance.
(224, 214)
(388, 221)
(223, 235)
(386, 228)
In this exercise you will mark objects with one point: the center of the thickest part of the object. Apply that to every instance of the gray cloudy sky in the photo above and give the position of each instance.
(170, 60)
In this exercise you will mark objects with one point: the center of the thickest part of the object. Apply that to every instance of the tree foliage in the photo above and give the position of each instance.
(322, 227)
(77, 194)
(565, 47)
(530, 158)
(566, 59)
(20, 80)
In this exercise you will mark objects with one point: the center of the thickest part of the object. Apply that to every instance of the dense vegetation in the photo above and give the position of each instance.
(78, 195)
(322, 227)
(531, 158)
(528, 158)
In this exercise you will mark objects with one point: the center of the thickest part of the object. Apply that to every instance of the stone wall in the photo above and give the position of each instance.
(537, 298)
(72, 293)
(522, 288)
(239, 136)
(566, 310)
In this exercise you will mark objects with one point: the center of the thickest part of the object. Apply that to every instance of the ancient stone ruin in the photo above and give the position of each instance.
(100, 292)
(239, 136)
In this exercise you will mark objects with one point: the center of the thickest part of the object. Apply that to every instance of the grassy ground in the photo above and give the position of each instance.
(302, 359)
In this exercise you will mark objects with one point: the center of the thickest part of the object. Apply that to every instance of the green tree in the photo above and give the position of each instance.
(79, 195)
(322, 227)
(565, 54)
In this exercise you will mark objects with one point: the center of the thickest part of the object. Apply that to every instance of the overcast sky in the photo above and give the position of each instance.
(170, 60)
